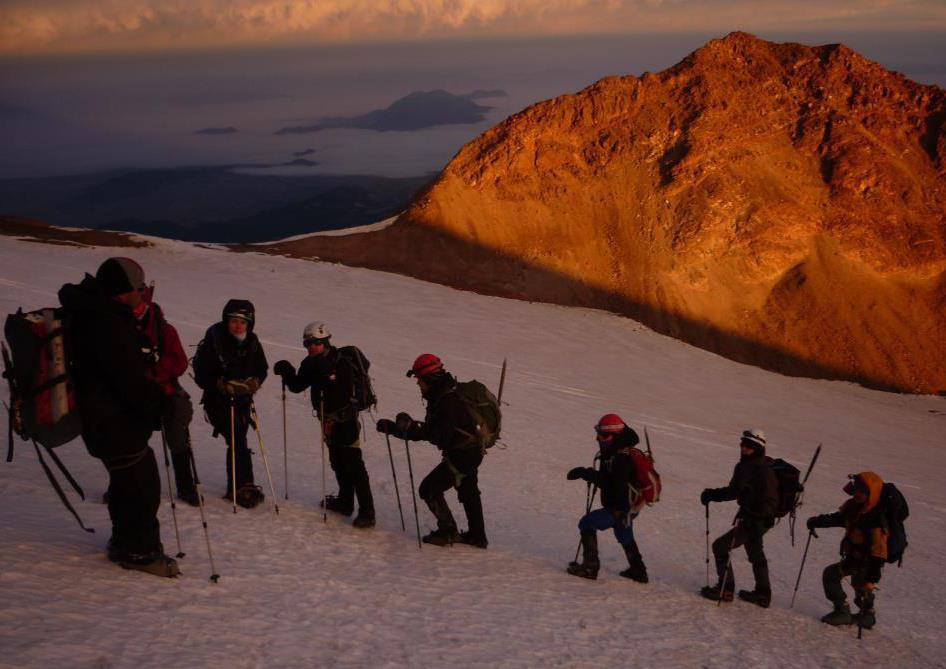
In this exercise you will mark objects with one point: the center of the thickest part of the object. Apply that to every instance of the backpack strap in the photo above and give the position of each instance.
(14, 394)
(10, 432)
(55, 483)
(218, 349)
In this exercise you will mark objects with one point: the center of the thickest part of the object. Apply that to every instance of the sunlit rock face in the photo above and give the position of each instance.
(780, 204)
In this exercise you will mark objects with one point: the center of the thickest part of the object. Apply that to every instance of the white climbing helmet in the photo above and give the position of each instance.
(315, 332)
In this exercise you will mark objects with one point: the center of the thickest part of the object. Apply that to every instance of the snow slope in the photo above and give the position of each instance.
(295, 592)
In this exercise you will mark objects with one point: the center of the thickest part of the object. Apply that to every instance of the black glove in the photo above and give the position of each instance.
(812, 523)
(577, 473)
(403, 421)
(387, 426)
(706, 496)
(284, 368)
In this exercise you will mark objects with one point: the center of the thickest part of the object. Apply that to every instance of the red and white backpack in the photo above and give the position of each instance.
(645, 485)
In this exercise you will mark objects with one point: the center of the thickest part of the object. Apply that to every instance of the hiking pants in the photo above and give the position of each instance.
(748, 532)
(134, 495)
(603, 519)
(458, 469)
(244, 462)
(176, 420)
(835, 573)
(344, 452)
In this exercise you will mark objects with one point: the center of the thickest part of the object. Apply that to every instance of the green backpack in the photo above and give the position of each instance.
(484, 410)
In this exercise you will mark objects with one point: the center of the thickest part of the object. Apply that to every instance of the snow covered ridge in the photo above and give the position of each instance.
(296, 593)
(372, 227)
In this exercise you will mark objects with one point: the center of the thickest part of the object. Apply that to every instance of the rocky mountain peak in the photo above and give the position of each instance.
(781, 204)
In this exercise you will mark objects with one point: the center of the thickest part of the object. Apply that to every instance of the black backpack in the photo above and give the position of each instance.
(362, 394)
(894, 511)
(484, 411)
(38, 370)
(789, 486)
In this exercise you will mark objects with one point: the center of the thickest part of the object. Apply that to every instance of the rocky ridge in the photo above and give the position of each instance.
(780, 204)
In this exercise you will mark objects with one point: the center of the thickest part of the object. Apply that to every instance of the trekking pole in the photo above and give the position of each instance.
(801, 493)
(233, 452)
(590, 493)
(397, 491)
(706, 506)
(732, 546)
(322, 438)
(167, 471)
(410, 471)
(502, 382)
(285, 440)
(214, 576)
(590, 499)
(811, 533)
(262, 450)
(647, 439)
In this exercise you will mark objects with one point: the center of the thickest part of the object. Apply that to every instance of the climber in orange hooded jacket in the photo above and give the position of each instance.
(863, 550)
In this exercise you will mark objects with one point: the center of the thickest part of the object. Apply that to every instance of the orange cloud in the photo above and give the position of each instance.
(93, 25)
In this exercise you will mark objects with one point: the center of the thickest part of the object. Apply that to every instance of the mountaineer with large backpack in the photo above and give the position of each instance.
(230, 367)
(627, 481)
(873, 521)
(340, 389)
(462, 429)
(755, 488)
(119, 406)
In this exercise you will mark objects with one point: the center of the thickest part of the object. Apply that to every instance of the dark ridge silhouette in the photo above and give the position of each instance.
(416, 111)
(301, 162)
(211, 204)
(37, 231)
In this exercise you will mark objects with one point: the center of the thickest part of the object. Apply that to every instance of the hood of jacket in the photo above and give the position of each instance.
(89, 296)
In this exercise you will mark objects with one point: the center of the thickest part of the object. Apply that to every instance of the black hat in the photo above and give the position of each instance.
(118, 276)
(240, 309)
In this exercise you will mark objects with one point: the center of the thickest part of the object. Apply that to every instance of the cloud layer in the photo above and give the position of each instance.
(92, 25)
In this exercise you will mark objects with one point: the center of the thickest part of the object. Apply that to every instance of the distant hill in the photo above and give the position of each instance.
(210, 204)
(780, 204)
(416, 111)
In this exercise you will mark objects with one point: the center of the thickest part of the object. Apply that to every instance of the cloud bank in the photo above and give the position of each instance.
(37, 26)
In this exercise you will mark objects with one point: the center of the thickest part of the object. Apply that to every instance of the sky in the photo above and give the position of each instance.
(89, 85)
(63, 26)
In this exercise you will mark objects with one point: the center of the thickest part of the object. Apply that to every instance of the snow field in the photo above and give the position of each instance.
(295, 592)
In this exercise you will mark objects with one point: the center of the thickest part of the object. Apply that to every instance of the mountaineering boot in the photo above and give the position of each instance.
(249, 496)
(471, 539)
(442, 537)
(865, 604)
(589, 565)
(336, 505)
(156, 563)
(446, 533)
(476, 527)
(866, 618)
(190, 497)
(716, 593)
(113, 551)
(364, 519)
(840, 616)
(758, 597)
(636, 571)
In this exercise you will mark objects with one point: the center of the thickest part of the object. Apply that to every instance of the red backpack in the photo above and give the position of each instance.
(645, 484)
